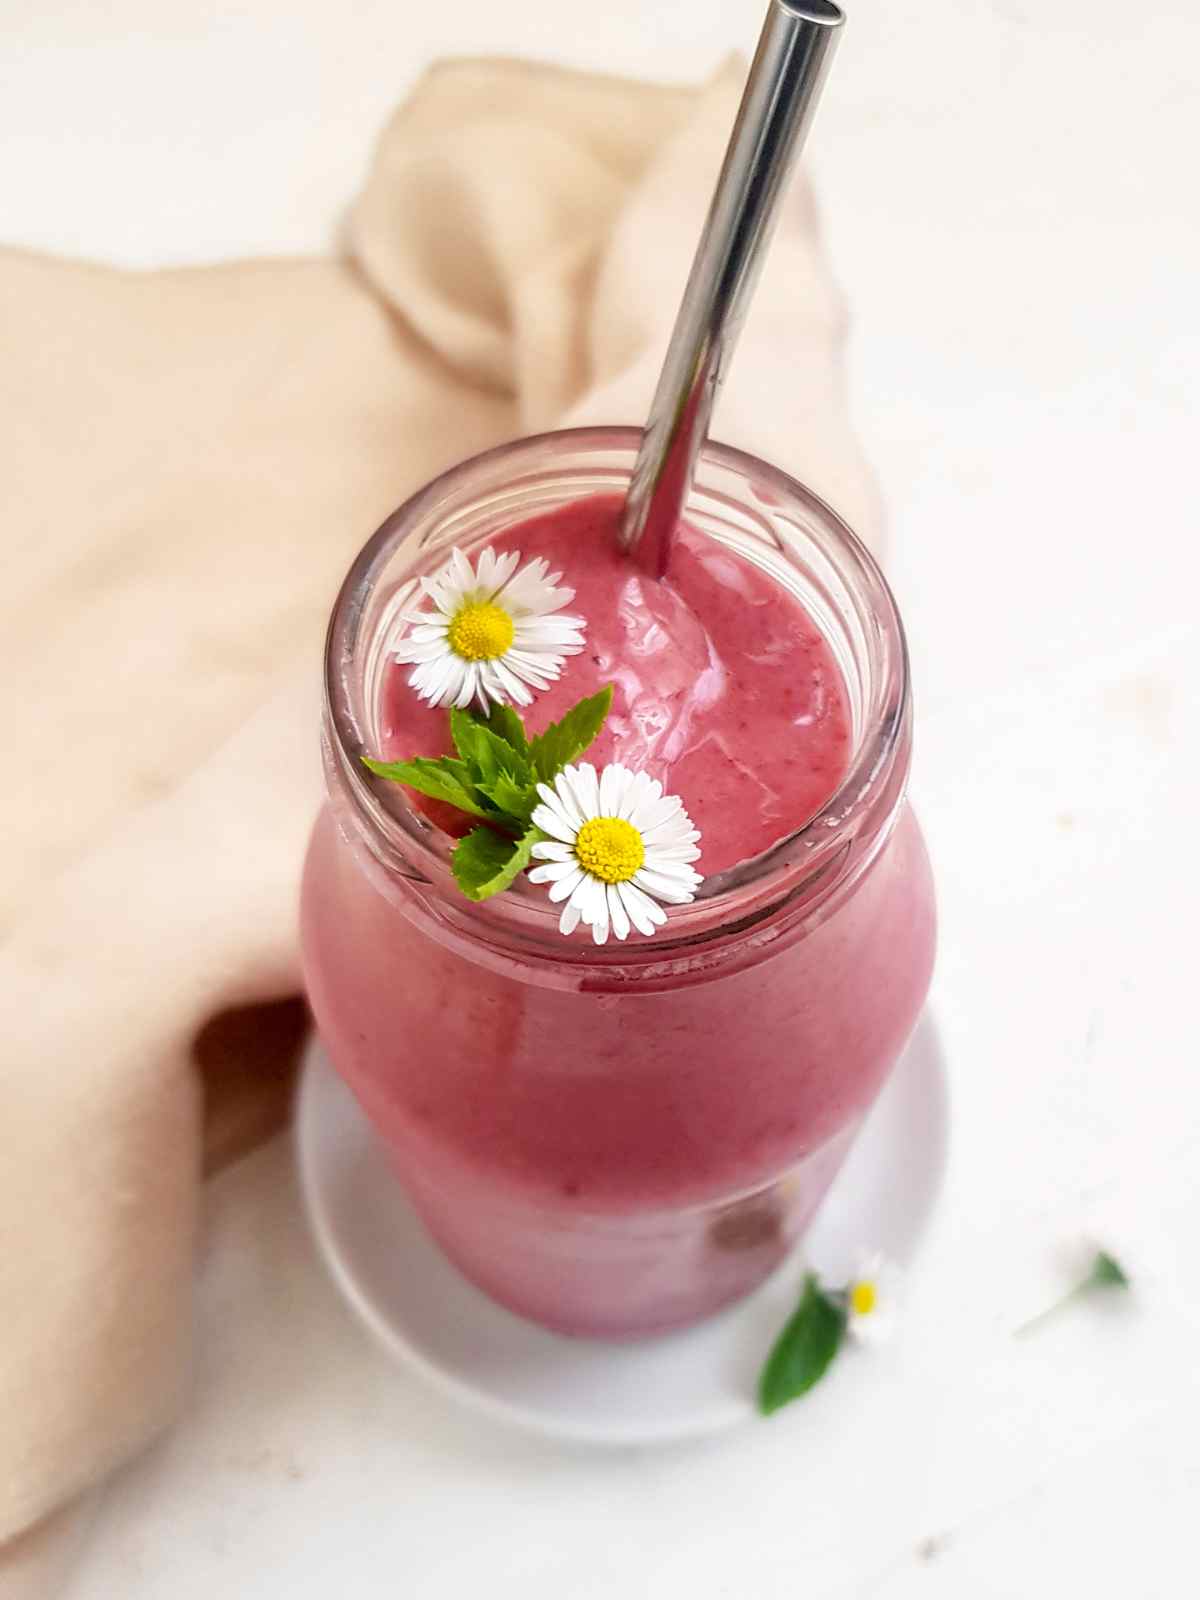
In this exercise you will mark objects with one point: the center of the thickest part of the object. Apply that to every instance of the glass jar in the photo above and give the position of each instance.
(619, 1140)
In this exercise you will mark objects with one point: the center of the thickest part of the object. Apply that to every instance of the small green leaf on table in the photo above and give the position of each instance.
(803, 1351)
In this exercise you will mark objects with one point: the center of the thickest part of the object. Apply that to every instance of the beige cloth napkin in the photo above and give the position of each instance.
(189, 459)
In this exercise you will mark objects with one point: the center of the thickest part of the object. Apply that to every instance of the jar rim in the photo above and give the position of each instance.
(797, 871)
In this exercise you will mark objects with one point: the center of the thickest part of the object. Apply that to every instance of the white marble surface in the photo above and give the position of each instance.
(1011, 201)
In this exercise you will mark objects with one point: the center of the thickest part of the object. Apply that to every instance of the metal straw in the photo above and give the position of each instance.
(781, 93)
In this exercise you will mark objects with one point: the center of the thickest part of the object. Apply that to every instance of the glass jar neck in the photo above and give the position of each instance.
(737, 500)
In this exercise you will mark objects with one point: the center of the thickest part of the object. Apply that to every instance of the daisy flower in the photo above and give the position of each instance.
(492, 633)
(617, 847)
(871, 1300)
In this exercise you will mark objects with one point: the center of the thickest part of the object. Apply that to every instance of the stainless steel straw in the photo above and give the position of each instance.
(781, 93)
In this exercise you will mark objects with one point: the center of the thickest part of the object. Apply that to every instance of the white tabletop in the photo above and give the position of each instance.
(1011, 204)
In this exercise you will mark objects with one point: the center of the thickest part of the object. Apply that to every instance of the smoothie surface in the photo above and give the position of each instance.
(724, 688)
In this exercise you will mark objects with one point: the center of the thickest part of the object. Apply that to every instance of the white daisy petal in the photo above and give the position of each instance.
(554, 824)
(549, 796)
(494, 571)
(437, 592)
(643, 912)
(611, 782)
(506, 566)
(670, 852)
(462, 571)
(626, 800)
(627, 796)
(529, 589)
(510, 683)
(564, 815)
(656, 859)
(551, 850)
(574, 800)
(617, 913)
(546, 667)
(569, 920)
(554, 871)
(667, 834)
(466, 692)
(427, 680)
(489, 689)
(641, 792)
(654, 815)
(663, 888)
(555, 802)
(542, 631)
(426, 633)
(569, 887)
(547, 596)
(414, 654)
(589, 897)
(438, 682)
(635, 903)
(587, 787)
(485, 569)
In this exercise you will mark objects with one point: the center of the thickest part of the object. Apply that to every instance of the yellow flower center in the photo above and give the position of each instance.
(862, 1298)
(609, 848)
(480, 632)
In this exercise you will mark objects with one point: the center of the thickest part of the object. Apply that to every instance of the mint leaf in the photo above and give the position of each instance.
(507, 725)
(516, 800)
(486, 753)
(441, 779)
(563, 741)
(1107, 1273)
(804, 1349)
(463, 728)
(485, 862)
(494, 778)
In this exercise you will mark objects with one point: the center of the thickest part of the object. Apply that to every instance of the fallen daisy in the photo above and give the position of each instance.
(617, 847)
(871, 1300)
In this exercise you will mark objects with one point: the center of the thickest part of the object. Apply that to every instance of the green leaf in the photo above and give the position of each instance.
(507, 725)
(441, 779)
(486, 753)
(1106, 1273)
(563, 741)
(494, 778)
(516, 800)
(463, 729)
(485, 862)
(803, 1350)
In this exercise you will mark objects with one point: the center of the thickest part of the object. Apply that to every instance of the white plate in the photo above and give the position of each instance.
(675, 1386)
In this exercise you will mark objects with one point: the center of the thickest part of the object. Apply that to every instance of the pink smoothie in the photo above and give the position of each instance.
(619, 1151)
(723, 686)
